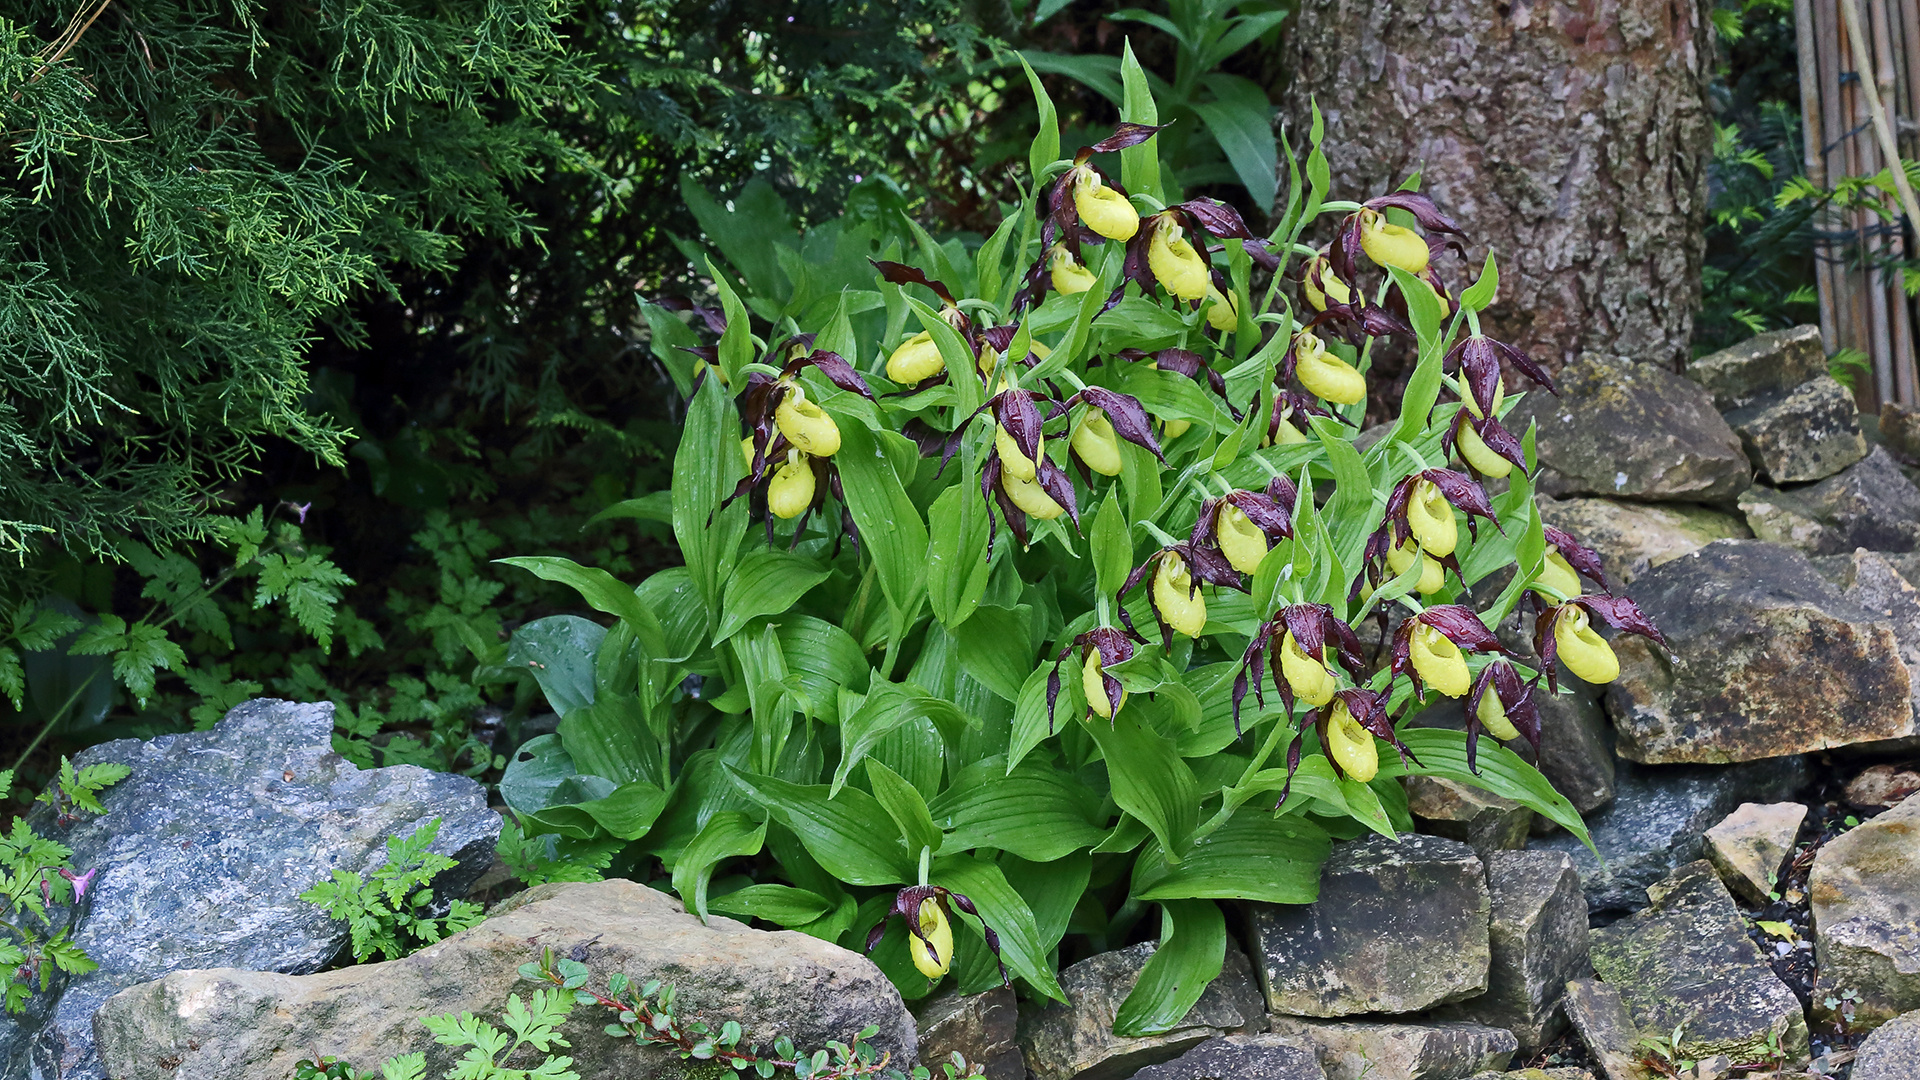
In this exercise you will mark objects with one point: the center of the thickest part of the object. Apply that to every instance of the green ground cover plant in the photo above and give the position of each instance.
(912, 664)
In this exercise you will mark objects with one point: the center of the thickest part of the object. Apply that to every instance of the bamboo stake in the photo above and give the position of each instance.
(1863, 65)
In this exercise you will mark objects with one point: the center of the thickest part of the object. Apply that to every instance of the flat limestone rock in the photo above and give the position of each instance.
(1762, 364)
(1239, 1057)
(1075, 1040)
(1807, 433)
(1632, 431)
(1417, 1050)
(1686, 962)
(1767, 659)
(1750, 846)
(1656, 822)
(1865, 893)
(1483, 821)
(1870, 504)
(1877, 583)
(1601, 1020)
(1535, 1074)
(1634, 537)
(1400, 925)
(1892, 1052)
(205, 848)
(1538, 935)
(250, 1025)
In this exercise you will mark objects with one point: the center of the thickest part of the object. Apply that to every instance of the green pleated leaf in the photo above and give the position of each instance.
(996, 647)
(849, 834)
(1192, 950)
(904, 804)
(724, 836)
(782, 904)
(1443, 753)
(602, 591)
(766, 582)
(1254, 856)
(1150, 779)
(1037, 812)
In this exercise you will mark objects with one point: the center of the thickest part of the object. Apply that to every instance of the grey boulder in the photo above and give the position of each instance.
(1685, 962)
(1807, 433)
(1400, 926)
(1605, 1028)
(1865, 892)
(250, 1025)
(1239, 1057)
(1655, 822)
(1767, 659)
(1414, 1050)
(1574, 755)
(1480, 819)
(1538, 935)
(984, 1029)
(1633, 537)
(1763, 364)
(1632, 431)
(1892, 1052)
(1074, 1040)
(1869, 505)
(205, 848)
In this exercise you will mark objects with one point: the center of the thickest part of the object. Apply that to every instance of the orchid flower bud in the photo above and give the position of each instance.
(933, 955)
(1174, 594)
(1223, 311)
(1097, 445)
(1351, 746)
(1439, 662)
(806, 425)
(1433, 576)
(1557, 574)
(1241, 541)
(1493, 716)
(1096, 690)
(1581, 647)
(1328, 287)
(1392, 245)
(1325, 375)
(1307, 675)
(916, 360)
(1174, 262)
(1017, 465)
(1069, 276)
(1030, 497)
(1430, 517)
(1104, 210)
(790, 491)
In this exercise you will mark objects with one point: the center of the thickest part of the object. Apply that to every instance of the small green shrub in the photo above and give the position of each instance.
(38, 882)
(393, 912)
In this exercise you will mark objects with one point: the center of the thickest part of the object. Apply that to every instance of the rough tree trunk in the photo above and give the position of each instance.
(1572, 138)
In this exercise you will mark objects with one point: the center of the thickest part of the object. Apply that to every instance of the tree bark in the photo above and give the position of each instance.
(1570, 137)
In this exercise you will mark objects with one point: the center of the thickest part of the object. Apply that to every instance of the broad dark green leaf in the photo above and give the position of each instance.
(533, 773)
(1150, 779)
(1240, 119)
(670, 595)
(891, 529)
(1112, 544)
(705, 469)
(850, 835)
(627, 812)
(824, 658)
(957, 567)
(725, 836)
(1192, 950)
(1443, 753)
(1051, 889)
(559, 650)
(780, 904)
(996, 647)
(905, 806)
(1254, 856)
(766, 582)
(1139, 165)
(1037, 812)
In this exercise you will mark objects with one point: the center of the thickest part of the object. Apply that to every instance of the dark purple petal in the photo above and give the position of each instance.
(1461, 626)
(1621, 613)
(1578, 555)
(1419, 206)
(837, 370)
(1462, 491)
(1498, 439)
(902, 274)
(1217, 218)
(1527, 366)
(1265, 514)
(1058, 486)
(1127, 134)
(1015, 411)
(1128, 417)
